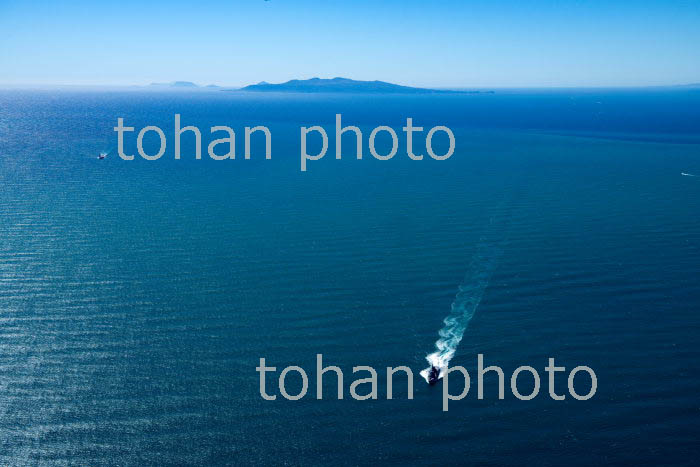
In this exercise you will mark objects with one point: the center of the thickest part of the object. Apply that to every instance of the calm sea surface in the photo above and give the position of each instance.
(137, 297)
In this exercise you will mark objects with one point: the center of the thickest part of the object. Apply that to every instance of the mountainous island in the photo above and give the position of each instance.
(317, 85)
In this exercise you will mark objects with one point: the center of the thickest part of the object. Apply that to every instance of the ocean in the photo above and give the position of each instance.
(137, 297)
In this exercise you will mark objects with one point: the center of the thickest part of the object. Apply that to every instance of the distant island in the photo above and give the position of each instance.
(176, 84)
(320, 85)
(316, 85)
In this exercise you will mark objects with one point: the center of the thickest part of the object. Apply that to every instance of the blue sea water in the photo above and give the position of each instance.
(137, 297)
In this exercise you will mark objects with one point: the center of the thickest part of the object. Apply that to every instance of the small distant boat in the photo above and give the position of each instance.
(102, 155)
(433, 375)
(687, 175)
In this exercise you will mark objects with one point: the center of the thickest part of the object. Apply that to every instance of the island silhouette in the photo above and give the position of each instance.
(320, 85)
(339, 85)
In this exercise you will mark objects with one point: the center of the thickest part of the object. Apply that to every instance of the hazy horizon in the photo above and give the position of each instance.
(216, 85)
(447, 45)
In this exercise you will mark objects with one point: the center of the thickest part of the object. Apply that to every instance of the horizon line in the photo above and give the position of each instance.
(169, 85)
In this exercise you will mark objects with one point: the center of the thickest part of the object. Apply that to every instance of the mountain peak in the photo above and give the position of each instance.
(337, 84)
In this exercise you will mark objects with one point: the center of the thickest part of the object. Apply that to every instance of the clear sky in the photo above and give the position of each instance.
(443, 43)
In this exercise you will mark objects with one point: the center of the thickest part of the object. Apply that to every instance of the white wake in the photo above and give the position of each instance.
(476, 280)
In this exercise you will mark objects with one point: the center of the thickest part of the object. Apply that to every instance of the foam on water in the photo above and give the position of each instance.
(471, 291)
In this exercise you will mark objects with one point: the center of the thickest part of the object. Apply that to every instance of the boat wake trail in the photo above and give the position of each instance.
(476, 280)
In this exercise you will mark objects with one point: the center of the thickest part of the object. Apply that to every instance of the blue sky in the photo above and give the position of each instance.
(444, 43)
